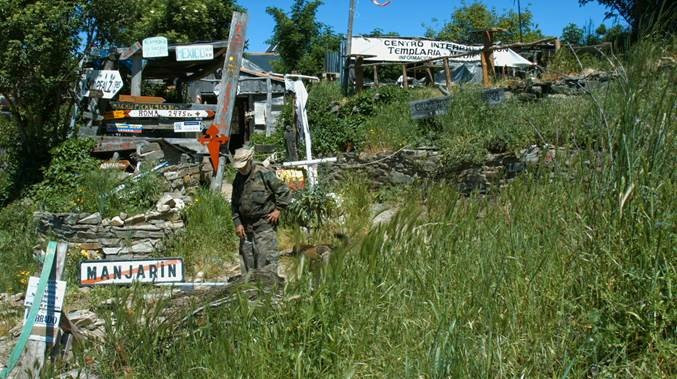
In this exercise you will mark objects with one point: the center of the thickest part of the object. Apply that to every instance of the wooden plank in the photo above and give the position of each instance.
(359, 74)
(131, 50)
(405, 79)
(230, 75)
(447, 73)
(376, 76)
(269, 107)
(137, 75)
(141, 99)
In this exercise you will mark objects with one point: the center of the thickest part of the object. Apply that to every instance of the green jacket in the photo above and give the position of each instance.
(257, 194)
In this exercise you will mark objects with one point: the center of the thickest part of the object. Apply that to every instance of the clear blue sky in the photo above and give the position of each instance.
(408, 16)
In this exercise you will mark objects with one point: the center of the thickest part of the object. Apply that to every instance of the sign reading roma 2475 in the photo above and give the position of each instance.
(101, 272)
(109, 82)
(384, 49)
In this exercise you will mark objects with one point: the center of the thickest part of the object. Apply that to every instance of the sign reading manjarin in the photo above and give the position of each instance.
(102, 272)
(194, 53)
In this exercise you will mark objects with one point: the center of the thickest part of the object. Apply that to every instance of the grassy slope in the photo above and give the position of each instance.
(565, 275)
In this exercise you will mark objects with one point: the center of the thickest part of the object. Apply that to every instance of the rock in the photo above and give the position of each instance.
(117, 221)
(123, 215)
(93, 219)
(384, 217)
(398, 178)
(111, 251)
(105, 222)
(90, 246)
(135, 219)
(144, 247)
(163, 208)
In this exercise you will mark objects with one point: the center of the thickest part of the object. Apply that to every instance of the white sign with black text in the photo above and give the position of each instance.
(194, 53)
(155, 47)
(101, 83)
(160, 270)
(187, 126)
(47, 320)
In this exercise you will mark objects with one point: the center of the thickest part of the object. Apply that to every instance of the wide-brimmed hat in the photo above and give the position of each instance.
(242, 156)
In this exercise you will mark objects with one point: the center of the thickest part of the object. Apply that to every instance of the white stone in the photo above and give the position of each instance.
(117, 221)
(93, 219)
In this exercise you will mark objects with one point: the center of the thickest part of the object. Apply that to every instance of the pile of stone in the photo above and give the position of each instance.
(406, 166)
(182, 177)
(122, 236)
(569, 85)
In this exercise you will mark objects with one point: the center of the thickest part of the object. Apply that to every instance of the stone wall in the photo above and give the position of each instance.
(410, 165)
(122, 236)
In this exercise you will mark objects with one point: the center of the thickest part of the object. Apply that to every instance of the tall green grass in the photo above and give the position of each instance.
(562, 275)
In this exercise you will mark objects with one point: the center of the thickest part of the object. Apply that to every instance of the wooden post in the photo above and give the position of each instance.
(487, 64)
(558, 45)
(359, 75)
(137, 75)
(269, 107)
(447, 73)
(33, 358)
(375, 75)
(349, 41)
(405, 79)
(430, 76)
(251, 123)
(229, 79)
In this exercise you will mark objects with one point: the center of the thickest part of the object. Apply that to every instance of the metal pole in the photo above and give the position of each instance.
(349, 40)
(519, 16)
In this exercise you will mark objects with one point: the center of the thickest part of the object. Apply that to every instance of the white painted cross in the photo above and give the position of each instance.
(309, 163)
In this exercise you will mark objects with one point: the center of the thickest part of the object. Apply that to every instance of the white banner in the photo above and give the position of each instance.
(385, 49)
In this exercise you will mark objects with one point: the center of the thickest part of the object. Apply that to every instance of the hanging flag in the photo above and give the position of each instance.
(381, 4)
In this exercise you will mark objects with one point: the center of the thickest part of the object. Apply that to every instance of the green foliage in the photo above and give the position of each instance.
(466, 20)
(644, 16)
(70, 163)
(121, 23)
(38, 42)
(565, 61)
(572, 34)
(301, 40)
(340, 126)
(209, 241)
(311, 207)
(17, 238)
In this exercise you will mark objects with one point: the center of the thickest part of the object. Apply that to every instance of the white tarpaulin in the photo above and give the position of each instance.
(385, 49)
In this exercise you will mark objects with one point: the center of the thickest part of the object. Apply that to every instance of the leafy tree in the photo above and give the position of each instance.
(647, 14)
(38, 46)
(123, 22)
(468, 19)
(301, 40)
(572, 34)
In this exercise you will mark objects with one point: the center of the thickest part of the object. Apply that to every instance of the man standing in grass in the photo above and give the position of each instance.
(257, 200)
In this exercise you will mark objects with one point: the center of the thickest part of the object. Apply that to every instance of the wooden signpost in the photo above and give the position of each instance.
(218, 134)
(108, 82)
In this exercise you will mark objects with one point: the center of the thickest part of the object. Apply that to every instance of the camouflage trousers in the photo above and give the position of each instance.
(259, 247)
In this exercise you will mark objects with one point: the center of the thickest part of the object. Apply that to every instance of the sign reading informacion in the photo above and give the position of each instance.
(104, 83)
(195, 53)
(384, 49)
(48, 317)
(102, 272)
(123, 127)
(187, 126)
(155, 47)
(430, 108)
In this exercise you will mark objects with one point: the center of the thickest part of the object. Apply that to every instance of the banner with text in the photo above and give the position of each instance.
(386, 49)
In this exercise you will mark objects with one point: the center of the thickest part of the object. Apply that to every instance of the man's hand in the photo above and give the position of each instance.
(274, 216)
(239, 230)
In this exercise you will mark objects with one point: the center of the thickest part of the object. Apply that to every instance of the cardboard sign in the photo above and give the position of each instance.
(108, 82)
(155, 47)
(47, 320)
(123, 127)
(194, 53)
(430, 108)
(187, 126)
(102, 272)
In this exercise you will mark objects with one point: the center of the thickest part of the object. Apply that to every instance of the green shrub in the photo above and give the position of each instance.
(17, 238)
(209, 242)
(71, 162)
(311, 208)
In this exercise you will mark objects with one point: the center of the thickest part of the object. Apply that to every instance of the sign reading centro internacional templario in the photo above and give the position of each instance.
(161, 270)
(384, 49)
